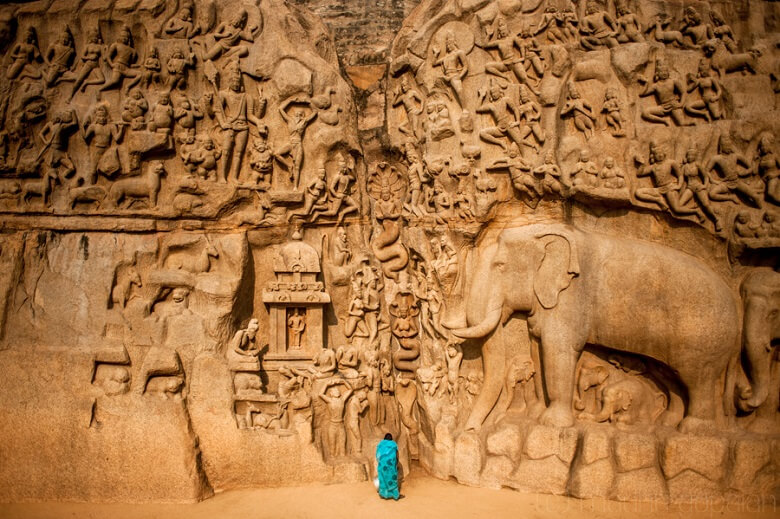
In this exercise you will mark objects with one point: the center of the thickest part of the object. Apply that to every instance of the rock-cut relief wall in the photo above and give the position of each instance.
(591, 188)
(169, 174)
(555, 271)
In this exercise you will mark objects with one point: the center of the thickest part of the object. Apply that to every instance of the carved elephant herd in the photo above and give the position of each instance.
(579, 288)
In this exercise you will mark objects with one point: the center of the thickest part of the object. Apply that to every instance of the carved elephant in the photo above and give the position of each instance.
(629, 401)
(761, 326)
(580, 287)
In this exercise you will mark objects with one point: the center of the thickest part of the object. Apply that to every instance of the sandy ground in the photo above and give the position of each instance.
(424, 497)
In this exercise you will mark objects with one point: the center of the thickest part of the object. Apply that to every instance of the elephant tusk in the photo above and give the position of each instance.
(482, 329)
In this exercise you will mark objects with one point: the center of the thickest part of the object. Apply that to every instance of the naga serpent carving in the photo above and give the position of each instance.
(385, 185)
(388, 248)
(404, 310)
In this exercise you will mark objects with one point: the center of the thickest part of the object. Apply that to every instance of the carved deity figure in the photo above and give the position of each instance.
(176, 67)
(768, 168)
(59, 57)
(598, 28)
(315, 197)
(694, 28)
(235, 110)
(454, 64)
(181, 26)
(244, 347)
(711, 91)
(186, 115)
(121, 57)
(550, 174)
(56, 136)
(629, 27)
(134, 109)
(729, 172)
(696, 186)
(505, 43)
(412, 102)
(667, 179)
(296, 323)
(611, 175)
(668, 93)
(355, 407)
(553, 23)
(342, 253)
(341, 203)
(229, 35)
(531, 115)
(261, 161)
(203, 158)
(585, 173)
(505, 113)
(24, 57)
(613, 112)
(89, 72)
(102, 137)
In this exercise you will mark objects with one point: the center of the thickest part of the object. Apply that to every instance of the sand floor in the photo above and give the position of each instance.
(425, 497)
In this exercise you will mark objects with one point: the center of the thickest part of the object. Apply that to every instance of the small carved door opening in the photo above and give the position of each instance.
(296, 328)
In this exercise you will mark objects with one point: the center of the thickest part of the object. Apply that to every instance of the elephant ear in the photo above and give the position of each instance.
(558, 266)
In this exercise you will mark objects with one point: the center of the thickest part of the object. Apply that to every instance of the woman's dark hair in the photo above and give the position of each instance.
(388, 436)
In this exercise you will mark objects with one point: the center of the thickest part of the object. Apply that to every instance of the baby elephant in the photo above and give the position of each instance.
(134, 188)
(629, 401)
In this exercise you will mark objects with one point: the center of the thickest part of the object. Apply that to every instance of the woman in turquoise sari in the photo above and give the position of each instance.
(387, 468)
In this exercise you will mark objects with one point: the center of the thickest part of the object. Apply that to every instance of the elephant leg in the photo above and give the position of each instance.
(560, 356)
(494, 366)
(702, 393)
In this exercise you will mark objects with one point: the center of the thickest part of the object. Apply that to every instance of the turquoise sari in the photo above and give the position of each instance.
(387, 469)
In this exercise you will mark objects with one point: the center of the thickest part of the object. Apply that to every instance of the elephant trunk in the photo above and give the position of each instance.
(482, 329)
(758, 349)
